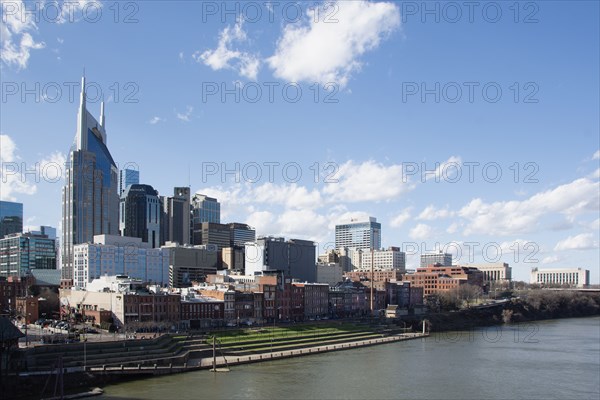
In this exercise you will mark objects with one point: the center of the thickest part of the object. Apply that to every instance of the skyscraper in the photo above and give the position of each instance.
(140, 214)
(176, 212)
(128, 177)
(11, 218)
(359, 234)
(90, 200)
(206, 209)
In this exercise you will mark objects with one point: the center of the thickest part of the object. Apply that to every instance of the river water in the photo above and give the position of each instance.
(557, 359)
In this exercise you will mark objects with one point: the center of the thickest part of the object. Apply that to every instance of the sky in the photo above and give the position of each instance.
(467, 127)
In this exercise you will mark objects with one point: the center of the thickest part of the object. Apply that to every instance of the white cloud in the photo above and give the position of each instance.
(550, 259)
(155, 120)
(292, 195)
(453, 228)
(60, 40)
(512, 217)
(446, 171)
(316, 50)
(52, 168)
(11, 179)
(596, 155)
(225, 57)
(262, 221)
(401, 218)
(367, 181)
(186, 115)
(431, 213)
(420, 232)
(583, 241)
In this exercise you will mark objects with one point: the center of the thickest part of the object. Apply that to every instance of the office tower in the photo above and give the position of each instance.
(295, 258)
(358, 234)
(206, 209)
(444, 259)
(240, 234)
(176, 213)
(140, 214)
(389, 259)
(22, 252)
(11, 218)
(90, 199)
(128, 177)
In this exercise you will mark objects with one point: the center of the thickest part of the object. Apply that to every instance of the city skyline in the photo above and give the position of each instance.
(374, 153)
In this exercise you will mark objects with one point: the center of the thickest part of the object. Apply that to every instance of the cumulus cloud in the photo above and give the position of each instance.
(583, 241)
(316, 50)
(431, 213)
(596, 155)
(224, 56)
(16, 41)
(401, 218)
(420, 232)
(367, 181)
(513, 217)
(185, 116)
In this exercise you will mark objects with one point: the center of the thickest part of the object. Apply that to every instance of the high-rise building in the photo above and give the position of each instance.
(22, 252)
(90, 198)
(358, 234)
(295, 258)
(140, 214)
(176, 213)
(444, 259)
(205, 209)
(11, 218)
(240, 234)
(128, 177)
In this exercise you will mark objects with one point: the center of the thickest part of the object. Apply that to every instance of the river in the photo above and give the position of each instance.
(558, 359)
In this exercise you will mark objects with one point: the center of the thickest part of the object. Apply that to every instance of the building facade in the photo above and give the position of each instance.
(90, 199)
(574, 277)
(495, 272)
(443, 259)
(140, 214)
(22, 252)
(176, 217)
(128, 177)
(294, 258)
(189, 264)
(390, 258)
(11, 218)
(359, 234)
(119, 255)
(205, 209)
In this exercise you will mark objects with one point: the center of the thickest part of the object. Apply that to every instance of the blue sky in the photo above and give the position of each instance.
(156, 63)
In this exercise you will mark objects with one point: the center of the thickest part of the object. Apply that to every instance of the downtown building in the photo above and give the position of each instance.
(176, 217)
(20, 253)
(358, 234)
(443, 259)
(113, 255)
(294, 258)
(11, 218)
(571, 277)
(128, 177)
(141, 214)
(90, 198)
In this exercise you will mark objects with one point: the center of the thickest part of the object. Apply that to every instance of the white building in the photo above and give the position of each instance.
(119, 255)
(390, 258)
(444, 259)
(494, 272)
(577, 277)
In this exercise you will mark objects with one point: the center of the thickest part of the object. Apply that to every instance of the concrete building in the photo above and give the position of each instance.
(390, 258)
(329, 273)
(240, 234)
(444, 259)
(140, 214)
(128, 177)
(23, 252)
(119, 255)
(189, 264)
(295, 258)
(213, 233)
(494, 272)
(176, 221)
(90, 196)
(11, 218)
(358, 234)
(574, 277)
(233, 258)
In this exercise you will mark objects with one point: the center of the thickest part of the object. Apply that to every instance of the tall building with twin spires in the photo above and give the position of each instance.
(90, 199)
